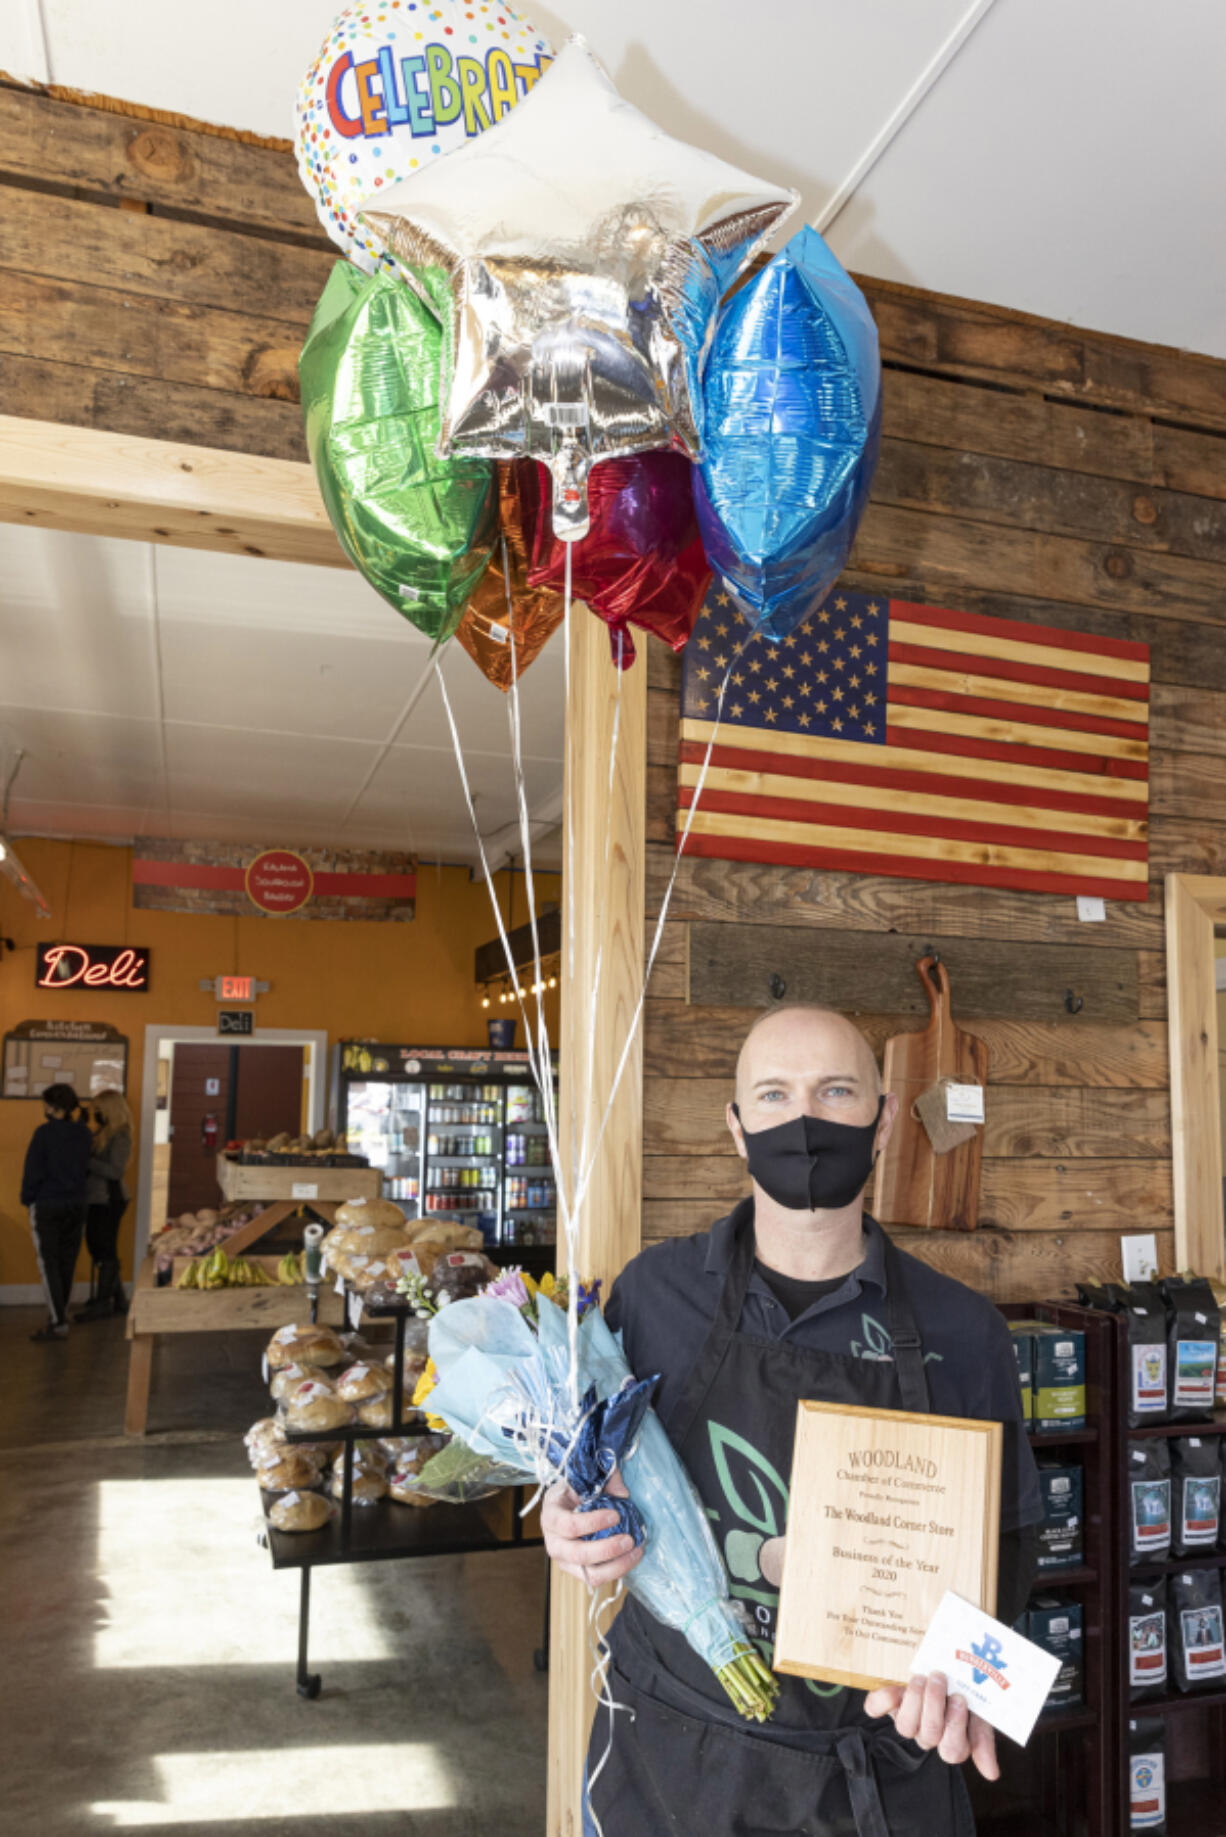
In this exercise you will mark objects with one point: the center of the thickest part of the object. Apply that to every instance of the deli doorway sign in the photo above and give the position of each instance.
(118, 968)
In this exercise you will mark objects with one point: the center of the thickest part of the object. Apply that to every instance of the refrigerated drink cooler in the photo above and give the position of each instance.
(456, 1132)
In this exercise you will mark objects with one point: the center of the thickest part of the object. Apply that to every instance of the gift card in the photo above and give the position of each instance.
(1004, 1677)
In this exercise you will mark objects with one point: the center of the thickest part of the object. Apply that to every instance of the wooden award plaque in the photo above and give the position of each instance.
(888, 1510)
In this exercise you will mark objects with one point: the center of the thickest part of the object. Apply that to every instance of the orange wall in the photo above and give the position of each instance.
(392, 982)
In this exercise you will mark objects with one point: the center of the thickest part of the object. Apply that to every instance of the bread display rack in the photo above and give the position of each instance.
(385, 1532)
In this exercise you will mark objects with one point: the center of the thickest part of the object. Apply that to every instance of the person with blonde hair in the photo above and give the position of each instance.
(108, 1201)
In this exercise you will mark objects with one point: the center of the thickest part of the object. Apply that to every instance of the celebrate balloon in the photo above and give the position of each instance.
(793, 421)
(398, 83)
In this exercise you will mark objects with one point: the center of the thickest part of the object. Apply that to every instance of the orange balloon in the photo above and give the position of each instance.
(503, 632)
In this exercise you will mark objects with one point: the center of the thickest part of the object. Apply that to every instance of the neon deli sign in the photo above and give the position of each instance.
(92, 966)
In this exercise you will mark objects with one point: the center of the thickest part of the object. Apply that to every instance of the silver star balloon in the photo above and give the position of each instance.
(576, 254)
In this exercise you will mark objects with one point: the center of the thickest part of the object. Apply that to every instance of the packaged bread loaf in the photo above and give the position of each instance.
(360, 1381)
(368, 1486)
(296, 1511)
(305, 1345)
(264, 1439)
(318, 1409)
(376, 1412)
(460, 1274)
(288, 1470)
(450, 1234)
(362, 1212)
(285, 1381)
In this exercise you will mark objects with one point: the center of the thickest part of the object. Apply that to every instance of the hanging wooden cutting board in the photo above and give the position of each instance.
(914, 1186)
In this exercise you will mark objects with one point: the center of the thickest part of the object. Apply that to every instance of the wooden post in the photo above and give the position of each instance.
(1194, 905)
(608, 905)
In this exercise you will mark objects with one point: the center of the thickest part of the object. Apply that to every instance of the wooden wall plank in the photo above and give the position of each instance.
(703, 1042)
(686, 1117)
(1187, 785)
(1078, 1194)
(732, 966)
(106, 329)
(750, 893)
(950, 411)
(951, 552)
(971, 339)
(1187, 719)
(70, 239)
(1190, 461)
(1003, 1265)
(1029, 496)
(106, 402)
(230, 181)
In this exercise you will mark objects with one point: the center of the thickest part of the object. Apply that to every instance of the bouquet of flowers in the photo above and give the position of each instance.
(500, 1379)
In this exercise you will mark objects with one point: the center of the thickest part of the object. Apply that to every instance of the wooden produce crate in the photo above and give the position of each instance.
(155, 1310)
(298, 1180)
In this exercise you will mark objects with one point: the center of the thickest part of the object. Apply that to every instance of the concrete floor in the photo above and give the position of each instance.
(149, 1648)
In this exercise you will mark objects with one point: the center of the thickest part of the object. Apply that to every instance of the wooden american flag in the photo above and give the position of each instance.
(887, 738)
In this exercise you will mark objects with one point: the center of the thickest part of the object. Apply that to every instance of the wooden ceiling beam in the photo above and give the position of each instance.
(77, 478)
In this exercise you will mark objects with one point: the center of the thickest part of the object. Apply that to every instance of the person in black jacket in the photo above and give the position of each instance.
(53, 1185)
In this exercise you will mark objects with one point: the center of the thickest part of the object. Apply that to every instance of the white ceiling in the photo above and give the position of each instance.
(173, 692)
(1063, 157)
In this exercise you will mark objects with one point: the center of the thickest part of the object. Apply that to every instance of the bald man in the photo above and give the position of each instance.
(797, 1293)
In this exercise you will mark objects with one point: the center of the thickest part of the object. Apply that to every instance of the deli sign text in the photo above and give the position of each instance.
(115, 967)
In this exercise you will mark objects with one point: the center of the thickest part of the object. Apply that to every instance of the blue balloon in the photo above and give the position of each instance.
(792, 409)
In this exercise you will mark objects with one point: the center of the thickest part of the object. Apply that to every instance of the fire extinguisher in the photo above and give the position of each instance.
(210, 1130)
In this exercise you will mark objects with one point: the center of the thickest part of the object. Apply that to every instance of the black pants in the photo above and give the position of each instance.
(58, 1231)
(102, 1227)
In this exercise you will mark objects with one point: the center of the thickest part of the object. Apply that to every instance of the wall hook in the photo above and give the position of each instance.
(1072, 1002)
(778, 987)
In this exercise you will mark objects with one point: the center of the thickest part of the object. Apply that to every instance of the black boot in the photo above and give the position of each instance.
(114, 1286)
(99, 1307)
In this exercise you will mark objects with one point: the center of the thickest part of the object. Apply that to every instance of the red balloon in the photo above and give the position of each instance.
(642, 562)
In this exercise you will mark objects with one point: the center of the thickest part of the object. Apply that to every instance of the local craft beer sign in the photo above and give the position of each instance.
(888, 1511)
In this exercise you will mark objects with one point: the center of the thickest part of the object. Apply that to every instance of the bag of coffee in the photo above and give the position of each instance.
(1062, 1532)
(1059, 1378)
(1193, 1327)
(1196, 1494)
(1194, 1629)
(1143, 1312)
(1022, 1335)
(1055, 1625)
(1221, 1523)
(1147, 1638)
(1148, 1469)
(1218, 1291)
(1147, 1775)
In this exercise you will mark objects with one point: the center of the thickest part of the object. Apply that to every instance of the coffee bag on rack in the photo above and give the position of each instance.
(1148, 1475)
(1143, 1311)
(1193, 1327)
(1194, 1629)
(1147, 1668)
(1059, 1378)
(1218, 1291)
(1196, 1494)
(1147, 1775)
(1056, 1626)
(1062, 1532)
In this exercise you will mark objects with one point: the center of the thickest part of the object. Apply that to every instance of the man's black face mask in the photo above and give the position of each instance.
(809, 1164)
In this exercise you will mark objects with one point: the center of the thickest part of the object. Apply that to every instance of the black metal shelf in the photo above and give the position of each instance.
(1174, 1565)
(1072, 1577)
(386, 1532)
(1157, 1431)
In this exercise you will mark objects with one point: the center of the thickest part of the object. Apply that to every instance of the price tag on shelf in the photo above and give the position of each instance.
(304, 1189)
(339, 1286)
(355, 1311)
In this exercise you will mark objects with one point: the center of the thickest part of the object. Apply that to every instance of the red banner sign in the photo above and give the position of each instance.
(307, 883)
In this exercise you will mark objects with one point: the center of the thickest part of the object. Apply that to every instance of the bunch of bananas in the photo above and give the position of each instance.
(292, 1268)
(217, 1271)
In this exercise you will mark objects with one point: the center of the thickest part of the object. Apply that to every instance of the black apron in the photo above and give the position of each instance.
(688, 1765)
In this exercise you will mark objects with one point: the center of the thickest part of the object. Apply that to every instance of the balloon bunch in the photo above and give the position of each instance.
(526, 379)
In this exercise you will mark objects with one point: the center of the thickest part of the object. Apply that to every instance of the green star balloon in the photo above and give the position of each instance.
(421, 529)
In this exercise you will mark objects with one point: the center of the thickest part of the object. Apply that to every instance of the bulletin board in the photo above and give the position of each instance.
(89, 1057)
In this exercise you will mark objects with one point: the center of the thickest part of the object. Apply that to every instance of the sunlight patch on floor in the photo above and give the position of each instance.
(184, 1583)
(244, 1788)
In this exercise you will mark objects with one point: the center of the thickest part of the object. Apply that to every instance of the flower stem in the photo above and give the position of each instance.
(752, 1689)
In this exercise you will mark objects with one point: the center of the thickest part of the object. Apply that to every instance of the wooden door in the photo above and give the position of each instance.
(267, 1091)
(193, 1170)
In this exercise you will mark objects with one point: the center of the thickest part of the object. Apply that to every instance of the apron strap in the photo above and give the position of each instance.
(866, 1808)
(908, 1347)
(684, 1413)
